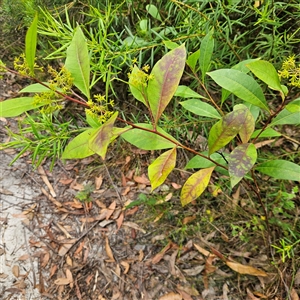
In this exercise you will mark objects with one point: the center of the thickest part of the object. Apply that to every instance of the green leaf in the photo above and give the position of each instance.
(268, 132)
(201, 108)
(266, 72)
(166, 76)
(159, 170)
(35, 88)
(137, 89)
(226, 129)
(92, 121)
(195, 185)
(153, 11)
(241, 66)
(79, 148)
(206, 51)
(30, 44)
(171, 45)
(241, 85)
(248, 125)
(199, 162)
(78, 62)
(193, 59)
(103, 136)
(294, 106)
(241, 160)
(146, 140)
(15, 107)
(186, 92)
(280, 169)
(286, 117)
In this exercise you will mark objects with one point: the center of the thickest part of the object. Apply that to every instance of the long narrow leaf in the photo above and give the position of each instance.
(30, 44)
(166, 76)
(78, 62)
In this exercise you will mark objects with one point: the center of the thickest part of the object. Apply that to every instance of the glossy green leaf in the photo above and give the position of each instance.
(186, 92)
(241, 160)
(103, 136)
(266, 72)
(195, 185)
(248, 125)
(241, 85)
(293, 106)
(200, 162)
(193, 59)
(241, 66)
(30, 44)
(93, 121)
(286, 117)
(79, 148)
(268, 132)
(166, 76)
(159, 170)
(153, 11)
(78, 62)
(137, 89)
(280, 169)
(146, 140)
(206, 51)
(35, 88)
(226, 129)
(170, 45)
(201, 108)
(17, 106)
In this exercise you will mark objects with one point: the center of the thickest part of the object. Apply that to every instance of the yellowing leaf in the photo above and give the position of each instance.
(100, 140)
(242, 269)
(159, 170)
(195, 185)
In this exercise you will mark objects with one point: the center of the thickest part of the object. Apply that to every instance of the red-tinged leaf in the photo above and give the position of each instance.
(166, 76)
(195, 185)
(159, 170)
(100, 140)
(248, 126)
(226, 129)
(240, 162)
(242, 269)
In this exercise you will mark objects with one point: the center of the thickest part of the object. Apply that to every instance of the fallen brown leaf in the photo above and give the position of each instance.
(189, 219)
(242, 269)
(294, 295)
(46, 181)
(250, 296)
(126, 265)
(62, 281)
(45, 259)
(108, 250)
(171, 296)
(98, 182)
(23, 257)
(70, 277)
(16, 271)
(141, 179)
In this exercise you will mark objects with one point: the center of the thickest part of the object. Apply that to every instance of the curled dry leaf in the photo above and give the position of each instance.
(70, 277)
(171, 296)
(242, 269)
(108, 250)
(126, 265)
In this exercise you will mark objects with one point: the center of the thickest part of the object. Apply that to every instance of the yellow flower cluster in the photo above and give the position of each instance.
(21, 65)
(290, 71)
(100, 108)
(139, 77)
(61, 81)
